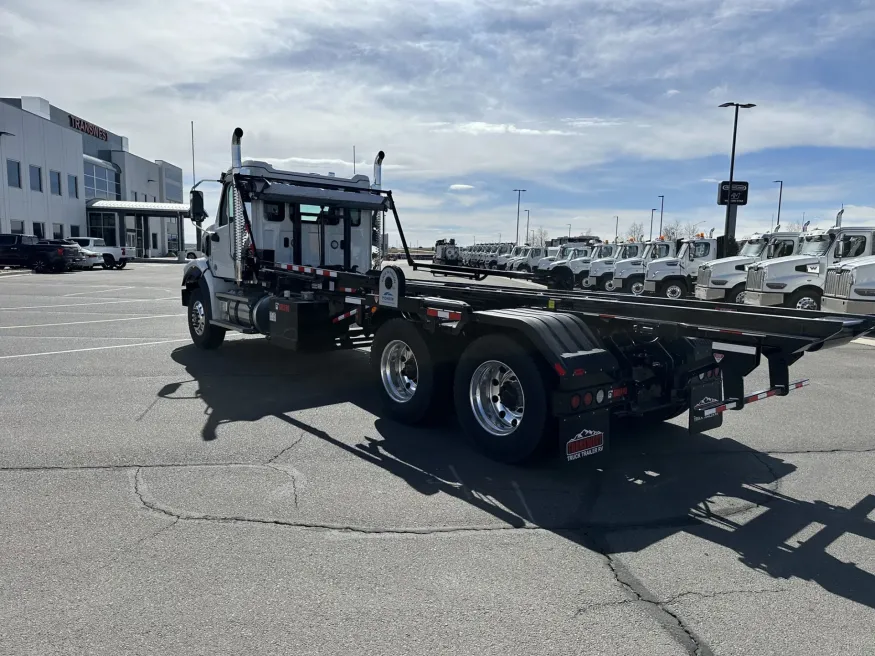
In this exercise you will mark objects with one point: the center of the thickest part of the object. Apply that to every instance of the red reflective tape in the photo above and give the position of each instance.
(444, 314)
(619, 392)
(607, 316)
(578, 372)
(731, 332)
(348, 290)
(345, 315)
(559, 369)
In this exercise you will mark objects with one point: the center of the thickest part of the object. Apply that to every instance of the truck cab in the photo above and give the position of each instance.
(601, 271)
(724, 279)
(629, 272)
(850, 286)
(548, 259)
(496, 253)
(528, 260)
(675, 277)
(577, 267)
(797, 281)
(504, 259)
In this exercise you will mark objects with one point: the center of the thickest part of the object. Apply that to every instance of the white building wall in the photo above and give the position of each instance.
(52, 148)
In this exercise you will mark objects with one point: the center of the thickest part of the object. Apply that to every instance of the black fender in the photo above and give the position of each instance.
(191, 280)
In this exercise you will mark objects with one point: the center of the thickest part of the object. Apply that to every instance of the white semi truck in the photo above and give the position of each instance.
(570, 273)
(797, 281)
(601, 271)
(527, 373)
(850, 286)
(675, 277)
(725, 279)
(629, 272)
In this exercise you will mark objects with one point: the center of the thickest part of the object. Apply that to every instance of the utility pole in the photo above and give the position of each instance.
(519, 193)
(353, 159)
(661, 208)
(569, 231)
(780, 196)
(731, 208)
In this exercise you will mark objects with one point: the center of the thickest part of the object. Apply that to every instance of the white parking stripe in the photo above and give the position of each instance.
(93, 348)
(99, 291)
(133, 300)
(868, 341)
(78, 323)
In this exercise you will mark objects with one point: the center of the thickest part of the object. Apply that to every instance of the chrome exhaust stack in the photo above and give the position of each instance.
(239, 229)
(378, 170)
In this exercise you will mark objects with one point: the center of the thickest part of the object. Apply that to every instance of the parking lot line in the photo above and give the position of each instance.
(99, 291)
(868, 341)
(79, 323)
(132, 300)
(93, 348)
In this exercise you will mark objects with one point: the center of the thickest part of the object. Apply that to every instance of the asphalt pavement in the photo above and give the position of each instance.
(157, 499)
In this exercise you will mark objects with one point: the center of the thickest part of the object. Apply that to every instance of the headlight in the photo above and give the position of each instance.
(719, 282)
(776, 285)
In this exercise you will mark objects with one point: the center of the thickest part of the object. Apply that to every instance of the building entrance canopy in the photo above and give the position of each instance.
(126, 223)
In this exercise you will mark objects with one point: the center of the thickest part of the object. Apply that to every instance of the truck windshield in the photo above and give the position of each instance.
(516, 251)
(552, 252)
(753, 248)
(526, 252)
(682, 253)
(564, 253)
(816, 245)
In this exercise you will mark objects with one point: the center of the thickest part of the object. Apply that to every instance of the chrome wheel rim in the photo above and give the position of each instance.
(739, 298)
(399, 371)
(673, 292)
(637, 288)
(198, 318)
(497, 398)
(609, 285)
(806, 303)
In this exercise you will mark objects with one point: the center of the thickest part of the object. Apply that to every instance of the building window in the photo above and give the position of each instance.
(39, 230)
(13, 173)
(72, 186)
(36, 178)
(102, 226)
(154, 242)
(101, 183)
(55, 183)
(74, 231)
(17, 227)
(57, 231)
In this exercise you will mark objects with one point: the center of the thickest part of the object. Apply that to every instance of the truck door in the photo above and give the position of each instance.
(222, 245)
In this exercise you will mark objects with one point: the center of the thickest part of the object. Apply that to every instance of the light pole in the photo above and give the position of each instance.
(527, 226)
(569, 231)
(780, 196)
(617, 229)
(661, 208)
(731, 210)
(519, 193)
(651, 223)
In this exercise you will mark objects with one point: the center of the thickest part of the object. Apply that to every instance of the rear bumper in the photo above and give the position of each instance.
(709, 293)
(761, 299)
(847, 305)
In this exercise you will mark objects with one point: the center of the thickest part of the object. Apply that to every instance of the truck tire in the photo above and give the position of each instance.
(736, 294)
(41, 265)
(411, 381)
(108, 261)
(807, 298)
(500, 395)
(562, 278)
(204, 334)
(673, 289)
(122, 264)
(635, 285)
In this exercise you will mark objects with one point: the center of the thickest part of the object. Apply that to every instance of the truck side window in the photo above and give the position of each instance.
(226, 213)
(275, 211)
(856, 246)
(355, 217)
(701, 249)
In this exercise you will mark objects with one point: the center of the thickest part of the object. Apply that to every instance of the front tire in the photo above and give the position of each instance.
(410, 380)
(121, 265)
(673, 289)
(636, 285)
(736, 295)
(501, 395)
(805, 299)
(204, 335)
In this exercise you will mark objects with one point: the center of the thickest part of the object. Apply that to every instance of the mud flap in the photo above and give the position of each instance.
(707, 393)
(583, 436)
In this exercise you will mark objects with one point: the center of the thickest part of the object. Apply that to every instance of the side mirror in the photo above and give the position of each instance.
(691, 253)
(196, 206)
(842, 249)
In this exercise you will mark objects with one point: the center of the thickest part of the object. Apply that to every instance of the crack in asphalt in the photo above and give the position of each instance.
(288, 448)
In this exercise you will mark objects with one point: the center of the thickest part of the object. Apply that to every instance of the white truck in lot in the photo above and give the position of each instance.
(629, 272)
(724, 279)
(850, 287)
(572, 272)
(527, 261)
(675, 277)
(601, 271)
(548, 259)
(114, 257)
(797, 281)
(446, 252)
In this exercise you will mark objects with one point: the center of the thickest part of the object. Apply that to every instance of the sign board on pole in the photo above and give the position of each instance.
(738, 196)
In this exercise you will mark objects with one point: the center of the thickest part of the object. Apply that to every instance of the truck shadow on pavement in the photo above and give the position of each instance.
(652, 484)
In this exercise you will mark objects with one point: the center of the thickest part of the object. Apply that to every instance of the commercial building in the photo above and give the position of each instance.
(63, 176)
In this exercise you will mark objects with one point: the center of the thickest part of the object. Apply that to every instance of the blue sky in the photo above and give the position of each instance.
(594, 107)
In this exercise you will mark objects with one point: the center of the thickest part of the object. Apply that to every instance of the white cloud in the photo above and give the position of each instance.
(672, 92)
(461, 187)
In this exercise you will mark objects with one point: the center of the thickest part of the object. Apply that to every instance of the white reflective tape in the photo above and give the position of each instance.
(736, 348)
(354, 301)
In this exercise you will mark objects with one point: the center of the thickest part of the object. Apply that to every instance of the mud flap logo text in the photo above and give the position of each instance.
(585, 443)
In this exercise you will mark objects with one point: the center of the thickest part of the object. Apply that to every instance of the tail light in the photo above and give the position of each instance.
(123, 251)
(60, 251)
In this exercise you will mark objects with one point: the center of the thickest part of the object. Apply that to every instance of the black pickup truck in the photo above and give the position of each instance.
(28, 251)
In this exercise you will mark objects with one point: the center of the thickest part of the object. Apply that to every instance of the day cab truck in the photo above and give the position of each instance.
(675, 277)
(725, 279)
(850, 286)
(572, 272)
(797, 281)
(601, 271)
(629, 272)
(528, 372)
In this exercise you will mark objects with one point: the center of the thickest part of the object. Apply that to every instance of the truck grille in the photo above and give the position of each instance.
(704, 276)
(755, 278)
(837, 283)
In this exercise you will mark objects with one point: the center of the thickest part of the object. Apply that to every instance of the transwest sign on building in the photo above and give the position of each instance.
(88, 128)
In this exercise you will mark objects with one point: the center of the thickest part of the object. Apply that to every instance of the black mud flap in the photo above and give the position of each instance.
(702, 395)
(583, 436)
